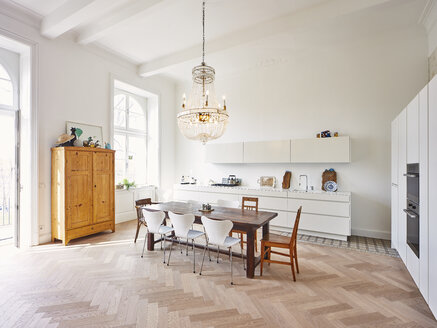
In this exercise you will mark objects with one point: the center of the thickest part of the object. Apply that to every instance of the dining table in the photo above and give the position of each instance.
(245, 220)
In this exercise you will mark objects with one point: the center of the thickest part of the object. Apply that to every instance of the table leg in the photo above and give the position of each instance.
(266, 229)
(150, 241)
(250, 254)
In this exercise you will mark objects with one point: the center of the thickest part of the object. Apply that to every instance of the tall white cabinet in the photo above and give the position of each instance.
(414, 140)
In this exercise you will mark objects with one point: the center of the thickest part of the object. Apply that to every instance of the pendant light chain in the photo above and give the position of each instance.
(203, 28)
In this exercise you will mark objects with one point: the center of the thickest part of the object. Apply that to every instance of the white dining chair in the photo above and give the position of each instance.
(154, 220)
(182, 224)
(217, 233)
(228, 203)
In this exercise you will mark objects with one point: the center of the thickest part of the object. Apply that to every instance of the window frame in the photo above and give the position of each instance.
(127, 131)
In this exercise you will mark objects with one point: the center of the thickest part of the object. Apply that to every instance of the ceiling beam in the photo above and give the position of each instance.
(69, 15)
(99, 29)
(310, 16)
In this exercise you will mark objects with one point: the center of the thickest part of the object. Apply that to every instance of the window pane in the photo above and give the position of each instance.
(137, 119)
(6, 94)
(137, 160)
(120, 110)
(120, 157)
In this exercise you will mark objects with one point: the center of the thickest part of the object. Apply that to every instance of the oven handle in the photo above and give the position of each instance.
(411, 175)
(410, 213)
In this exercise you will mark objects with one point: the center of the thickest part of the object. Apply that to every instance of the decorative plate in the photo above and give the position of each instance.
(206, 211)
(330, 186)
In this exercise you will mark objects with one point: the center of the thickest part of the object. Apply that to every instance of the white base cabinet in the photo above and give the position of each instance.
(323, 214)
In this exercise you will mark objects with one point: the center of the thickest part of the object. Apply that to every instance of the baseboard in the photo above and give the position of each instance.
(45, 238)
(372, 233)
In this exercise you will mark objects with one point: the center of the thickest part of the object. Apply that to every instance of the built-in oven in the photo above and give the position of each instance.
(413, 182)
(412, 210)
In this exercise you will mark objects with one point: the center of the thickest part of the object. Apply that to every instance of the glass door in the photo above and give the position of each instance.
(8, 175)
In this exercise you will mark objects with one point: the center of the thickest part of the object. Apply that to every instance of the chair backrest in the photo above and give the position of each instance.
(249, 203)
(153, 220)
(181, 223)
(142, 202)
(216, 230)
(296, 226)
(228, 203)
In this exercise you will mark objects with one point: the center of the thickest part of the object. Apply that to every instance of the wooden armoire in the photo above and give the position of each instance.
(82, 192)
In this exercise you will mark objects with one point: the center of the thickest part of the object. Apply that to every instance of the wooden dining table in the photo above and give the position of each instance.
(244, 220)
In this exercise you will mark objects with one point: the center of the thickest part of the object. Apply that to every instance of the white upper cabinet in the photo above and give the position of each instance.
(321, 150)
(413, 131)
(267, 152)
(224, 153)
(395, 151)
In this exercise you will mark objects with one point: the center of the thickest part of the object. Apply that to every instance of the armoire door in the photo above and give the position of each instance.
(78, 189)
(103, 177)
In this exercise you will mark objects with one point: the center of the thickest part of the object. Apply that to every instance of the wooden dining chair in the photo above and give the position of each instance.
(140, 219)
(278, 241)
(249, 204)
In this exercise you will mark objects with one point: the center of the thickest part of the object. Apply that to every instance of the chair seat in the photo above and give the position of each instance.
(230, 241)
(163, 230)
(276, 239)
(193, 234)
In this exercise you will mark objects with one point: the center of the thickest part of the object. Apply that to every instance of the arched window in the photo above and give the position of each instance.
(6, 88)
(130, 137)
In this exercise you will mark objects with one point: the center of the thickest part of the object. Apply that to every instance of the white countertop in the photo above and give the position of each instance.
(274, 192)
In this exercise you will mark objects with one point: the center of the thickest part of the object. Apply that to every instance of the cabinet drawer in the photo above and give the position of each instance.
(88, 230)
(282, 220)
(203, 197)
(320, 207)
(272, 203)
(325, 224)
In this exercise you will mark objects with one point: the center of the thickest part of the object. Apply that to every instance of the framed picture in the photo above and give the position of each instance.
(88, 130)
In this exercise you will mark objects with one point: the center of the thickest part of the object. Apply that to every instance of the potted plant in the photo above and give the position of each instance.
(128, 184)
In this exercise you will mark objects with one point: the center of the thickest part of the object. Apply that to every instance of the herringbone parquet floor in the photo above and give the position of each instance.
(101, 281)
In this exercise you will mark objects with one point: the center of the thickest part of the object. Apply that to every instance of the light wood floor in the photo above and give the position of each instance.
(101, 281)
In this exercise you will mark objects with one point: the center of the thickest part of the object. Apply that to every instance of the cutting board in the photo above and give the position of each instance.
(328, 176)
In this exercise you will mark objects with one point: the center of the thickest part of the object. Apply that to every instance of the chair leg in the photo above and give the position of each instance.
(203, 258)
(164, 248)
(169, 255)
(138, 230)
(292, 265)
(180, 247)
(295, 259)
(186, 253)
(242, 257)
(144, 246)
(256, 242)
(209, 251)
(269, 254)
(232, 275)
(241, 240)
(194, 258)
(218, 252)
(262, 260)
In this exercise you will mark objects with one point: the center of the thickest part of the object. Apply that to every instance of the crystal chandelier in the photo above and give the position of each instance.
(201, 117)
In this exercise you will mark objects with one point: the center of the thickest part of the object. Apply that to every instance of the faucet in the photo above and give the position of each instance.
(306, 181)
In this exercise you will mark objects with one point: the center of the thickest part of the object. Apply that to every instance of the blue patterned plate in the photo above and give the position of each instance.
(330, 186)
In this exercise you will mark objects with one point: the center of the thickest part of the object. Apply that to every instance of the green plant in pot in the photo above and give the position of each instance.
(128, 184)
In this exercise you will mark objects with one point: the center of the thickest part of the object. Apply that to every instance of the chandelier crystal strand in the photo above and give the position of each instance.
(201, 117)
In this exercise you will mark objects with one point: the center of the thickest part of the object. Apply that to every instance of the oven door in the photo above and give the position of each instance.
(413, 227)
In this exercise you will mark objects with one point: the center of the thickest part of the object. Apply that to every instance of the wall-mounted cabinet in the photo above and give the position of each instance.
(321, 150)
(313, 150)
(225, 153)
(413, 131)
(267, 152)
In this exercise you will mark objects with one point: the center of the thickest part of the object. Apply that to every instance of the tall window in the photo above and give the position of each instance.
(130, 137)
(6, 89)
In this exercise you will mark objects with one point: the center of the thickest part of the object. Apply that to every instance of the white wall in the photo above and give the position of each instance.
(353, 86)
(74, 85)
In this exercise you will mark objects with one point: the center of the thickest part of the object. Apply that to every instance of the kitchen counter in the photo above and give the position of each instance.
(324, 214)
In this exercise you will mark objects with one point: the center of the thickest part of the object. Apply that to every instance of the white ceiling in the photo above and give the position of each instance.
(164, 36)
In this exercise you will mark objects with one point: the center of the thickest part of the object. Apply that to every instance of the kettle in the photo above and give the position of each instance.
(232, 179)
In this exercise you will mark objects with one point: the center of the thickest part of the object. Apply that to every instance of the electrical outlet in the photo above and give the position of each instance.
(41, 227)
